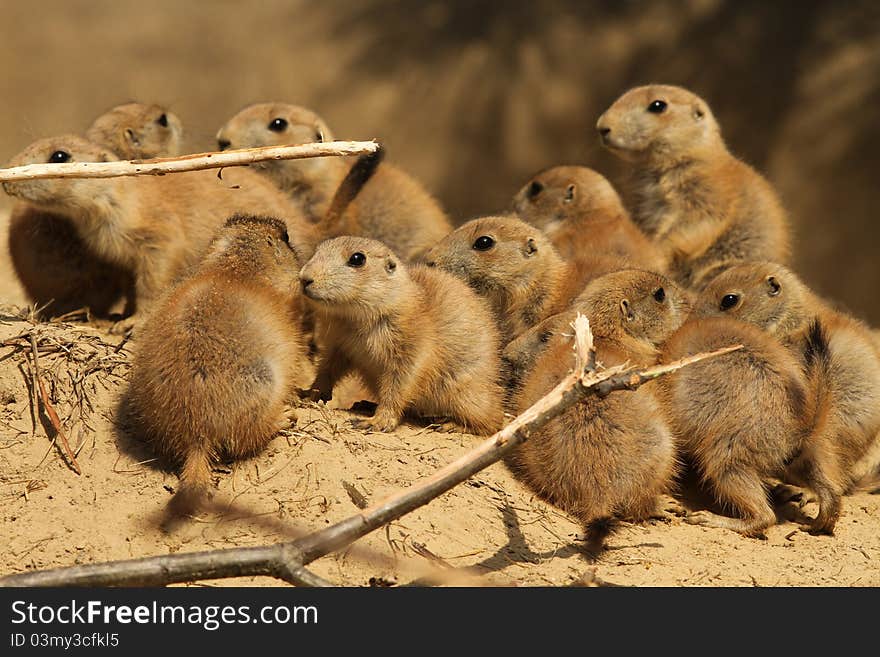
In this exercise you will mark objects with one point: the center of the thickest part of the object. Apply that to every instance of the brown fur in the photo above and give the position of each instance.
(420, 339)
(392, 208)
(583, 216)
(603, 459)
(57, 270)
(632, 311)
(738, 417)
(841, 362)
(702, 206)
(521, 274)
(156, 227)
(219, 359)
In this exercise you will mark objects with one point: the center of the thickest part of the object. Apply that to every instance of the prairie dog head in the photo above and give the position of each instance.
(59, 193)
(495, 253)
(761, 293)
(565, 193)
(256, 247)
(658, 122)
(355, 276)
(278, 124)
(138, 131)
(644, 305)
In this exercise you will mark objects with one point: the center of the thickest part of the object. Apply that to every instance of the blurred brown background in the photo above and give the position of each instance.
(473, 96)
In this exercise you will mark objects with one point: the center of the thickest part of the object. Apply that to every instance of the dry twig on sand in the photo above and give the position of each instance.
(194, 162)
(287, 561)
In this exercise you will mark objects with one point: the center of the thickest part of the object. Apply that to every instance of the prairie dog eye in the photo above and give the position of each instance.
(357, 259)
(659, 295)
(59, 157)
(728, 301)
(163, 120)
(278, 125)
(657, 107)
(775, 287)
(484, 243)
(319, 136)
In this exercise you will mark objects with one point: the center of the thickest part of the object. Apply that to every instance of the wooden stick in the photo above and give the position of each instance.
(283, 559)
(195, 162)
(50, 410)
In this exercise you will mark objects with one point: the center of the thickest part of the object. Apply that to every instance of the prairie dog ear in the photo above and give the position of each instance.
(625, 311)
(698, 112)
(390, 265)
(131, 137)
(531, 248)
(774, 285)
(569, 194)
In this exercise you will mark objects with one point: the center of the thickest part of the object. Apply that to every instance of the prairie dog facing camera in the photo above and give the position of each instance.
(219, 359)
(392, 207)
(702, 206)
(421, 340)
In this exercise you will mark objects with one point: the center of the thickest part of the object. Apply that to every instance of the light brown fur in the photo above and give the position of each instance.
(156, 227)
(702, 206)
(520, 274)
(420, 339)
(840, 359)
(221, 357)
(578, 209)
(738, 417)
(58, 272)
(392, 208)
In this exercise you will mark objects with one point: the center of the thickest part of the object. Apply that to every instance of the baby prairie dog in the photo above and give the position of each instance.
(514, 266)
(421, 340)
(392, 208)
(840, 358)
(222, 355)
(578, 209)
(739, 417)
(700, 205)
(602, 460)
(58, 272)
(156, 227)
(138, 131)
(632, 311)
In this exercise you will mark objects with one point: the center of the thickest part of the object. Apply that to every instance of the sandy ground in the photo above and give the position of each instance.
(489, 531)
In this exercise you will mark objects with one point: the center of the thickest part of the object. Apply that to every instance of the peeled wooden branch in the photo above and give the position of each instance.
(287, 560)
(195, 162)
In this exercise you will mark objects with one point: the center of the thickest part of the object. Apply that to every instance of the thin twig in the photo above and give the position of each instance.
(285, 560)
(194, 162)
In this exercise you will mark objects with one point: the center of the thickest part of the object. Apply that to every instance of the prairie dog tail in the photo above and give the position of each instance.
(195, 483)
(358, 176)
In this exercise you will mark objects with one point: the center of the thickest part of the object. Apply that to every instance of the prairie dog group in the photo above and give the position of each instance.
(392, 207)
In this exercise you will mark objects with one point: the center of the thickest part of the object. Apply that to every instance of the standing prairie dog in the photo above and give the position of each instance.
(578, 209)
(156, 227)
(222, 355)
(514, 266)
(57, 270)
(702, 206)
(840, 358)
(603, 459)
(631, 310)
(392, 208)
(739, 417)
(421, 339)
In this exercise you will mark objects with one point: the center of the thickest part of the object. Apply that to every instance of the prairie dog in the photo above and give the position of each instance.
(514, 266)
(840, 358)
(222, 354)
(58, 272)
(138, 131)
(632, 311)
(421, 339)
(702, 206)
(603, 459)
(392, 208)
(740, 417)
(582, 214)
(156, 227)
